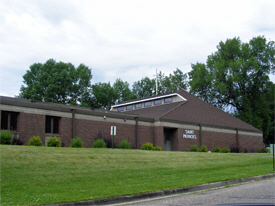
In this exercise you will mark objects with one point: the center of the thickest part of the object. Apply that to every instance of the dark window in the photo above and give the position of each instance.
(56, 125)
(9, 120)
(158, 101)
(4, 120)
(52, 124)
(48, 124)
(119, 109)
(146, 104)
(167, 100)
(129, 107)
(138, 105)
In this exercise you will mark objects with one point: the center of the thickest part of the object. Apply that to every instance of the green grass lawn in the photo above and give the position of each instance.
(44, 175)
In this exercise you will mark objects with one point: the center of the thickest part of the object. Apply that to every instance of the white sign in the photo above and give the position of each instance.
(189, 134)
(113, 130)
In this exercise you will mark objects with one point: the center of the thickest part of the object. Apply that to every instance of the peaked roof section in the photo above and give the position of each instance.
(194, 111)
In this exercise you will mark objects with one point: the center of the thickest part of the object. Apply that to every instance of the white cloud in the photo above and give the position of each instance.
(122, 39)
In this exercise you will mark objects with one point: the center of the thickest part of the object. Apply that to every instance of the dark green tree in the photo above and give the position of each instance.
(237, 75)
(144, 87)
(174, 82)
(166, 84)
(103, 96)
(56, 82)
(123, 91)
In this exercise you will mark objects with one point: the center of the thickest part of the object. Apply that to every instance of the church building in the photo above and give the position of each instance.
(173, 121)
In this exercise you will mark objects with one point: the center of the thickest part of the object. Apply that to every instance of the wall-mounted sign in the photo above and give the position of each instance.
(189, 134)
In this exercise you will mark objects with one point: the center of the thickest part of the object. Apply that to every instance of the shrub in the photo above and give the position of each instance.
(157, 148)
(263, 150)
(268, 149)
(226, 150)
(5, 137)
(203, 148)
(99, 143)
(106, 138)
(124, 144)
(35, 141)
(76, 142)
(193, 148)
(216, 149)
(17, 141)
(235, 148)
(54, 142)
(147, 146)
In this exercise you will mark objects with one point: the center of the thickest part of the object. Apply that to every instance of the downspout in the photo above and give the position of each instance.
(73, 123)
(200, 136)
(237, 137)
(136, 131)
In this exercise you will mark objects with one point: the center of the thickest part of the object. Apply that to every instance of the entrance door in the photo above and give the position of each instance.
(167, 140)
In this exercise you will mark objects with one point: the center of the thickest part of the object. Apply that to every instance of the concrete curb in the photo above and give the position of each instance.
(143, 196)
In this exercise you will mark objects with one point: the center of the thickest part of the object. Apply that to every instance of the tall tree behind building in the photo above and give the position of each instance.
(166, 84)
(56, 82)
(237, 75)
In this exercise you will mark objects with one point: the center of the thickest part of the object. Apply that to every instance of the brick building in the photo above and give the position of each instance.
(172, 121)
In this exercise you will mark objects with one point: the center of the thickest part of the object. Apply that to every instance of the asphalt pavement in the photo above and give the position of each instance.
(253, 192)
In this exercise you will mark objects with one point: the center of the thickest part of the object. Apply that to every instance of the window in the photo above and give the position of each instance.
(52, 124)
(158, 101)
(167, 100)
(138, 105)
(119, 109)
(9, 120)
(129, 107)
(146, 104)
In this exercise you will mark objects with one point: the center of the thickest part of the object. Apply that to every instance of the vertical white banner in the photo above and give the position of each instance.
(113, 130)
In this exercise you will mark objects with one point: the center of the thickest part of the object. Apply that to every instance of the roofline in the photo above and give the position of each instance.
(87, 111)
(24, 103)
(148, 99)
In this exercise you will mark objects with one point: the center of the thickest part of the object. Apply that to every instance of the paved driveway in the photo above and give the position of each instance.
(255, 192)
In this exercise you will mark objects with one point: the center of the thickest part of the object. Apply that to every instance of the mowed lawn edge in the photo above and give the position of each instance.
(46, 175)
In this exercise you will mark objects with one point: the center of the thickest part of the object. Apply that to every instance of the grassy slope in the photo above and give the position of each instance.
(43, 175)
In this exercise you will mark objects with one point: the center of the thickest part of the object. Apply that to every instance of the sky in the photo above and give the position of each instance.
(123, 39)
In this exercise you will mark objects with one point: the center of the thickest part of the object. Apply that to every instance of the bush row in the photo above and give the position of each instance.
(76, 142)
(203, 148)
(150, 146)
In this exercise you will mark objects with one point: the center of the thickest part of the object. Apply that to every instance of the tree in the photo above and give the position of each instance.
(166, 84)
(237, 75)
(144, 87)
(123, 91)
(173, 82)
(56, 82)
(103, 96)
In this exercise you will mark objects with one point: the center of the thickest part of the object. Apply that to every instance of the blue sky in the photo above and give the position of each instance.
(122, 39)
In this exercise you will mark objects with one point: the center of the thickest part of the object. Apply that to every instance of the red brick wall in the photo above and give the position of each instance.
(29, 125)
(158, 137)
(65, 131)
(145, 134)
(89, 130)
(34, 124)
(250, 143)
(217, 139)
(183, 144)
